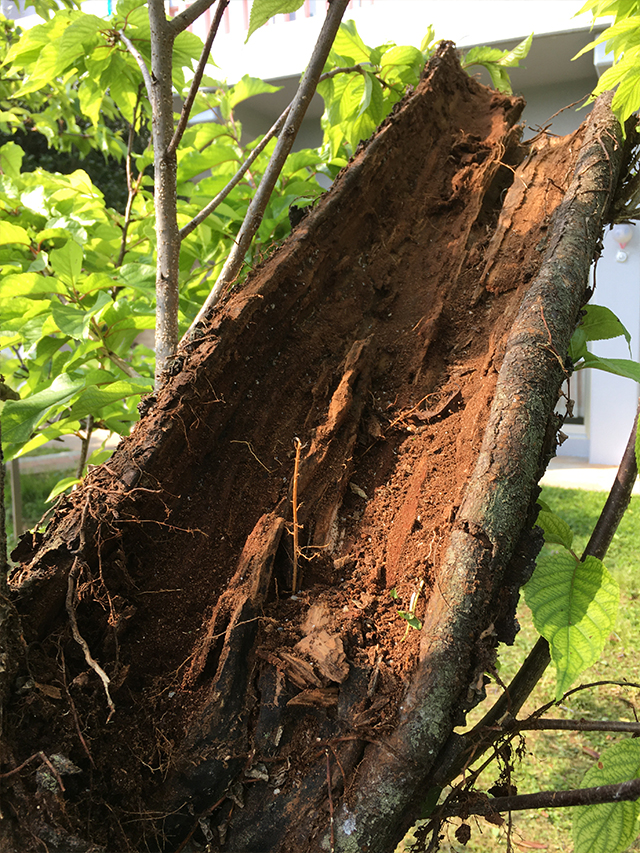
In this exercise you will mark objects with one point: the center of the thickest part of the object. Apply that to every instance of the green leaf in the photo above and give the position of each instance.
(574, 605)
(555, 529)
(401, 55)
(512, 58)
(10, 233)
(20, 417)
(93, 398)
(348, 44)
(263, 10)
(411, 619)
(11, 160)
(30, 284)
(366, 95)
(600, 324)
(609, 827)
(618, 366)
(67, 261)
(247, 87)
(61, 486)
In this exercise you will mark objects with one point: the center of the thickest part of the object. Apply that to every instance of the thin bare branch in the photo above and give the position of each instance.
(273, 131)
(132, 188)
(548, 800)
(146, 74)
(195, 83)
(188, 16)
(579, 726)
(285, 142)
(200, 217)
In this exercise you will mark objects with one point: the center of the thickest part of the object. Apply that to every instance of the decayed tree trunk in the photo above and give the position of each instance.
(387, 379)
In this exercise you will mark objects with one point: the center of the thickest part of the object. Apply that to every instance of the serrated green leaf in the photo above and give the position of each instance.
(556, 530)
(348, 44)
(263, 10)
(577, 345)
(574, 605)
(30, 284)
(609, 827)
(618, 366)
(11, 159)
(247, 87)
(401, 55)
(511, 58)
(600, 324)
(366, 95)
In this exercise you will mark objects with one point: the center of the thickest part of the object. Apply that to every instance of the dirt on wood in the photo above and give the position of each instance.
(373, 336)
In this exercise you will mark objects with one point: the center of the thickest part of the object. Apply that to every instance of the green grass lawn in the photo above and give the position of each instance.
(553, 760)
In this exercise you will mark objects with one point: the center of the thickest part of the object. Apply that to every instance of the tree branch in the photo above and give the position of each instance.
(188, 16)
(294, 119)
(165, 165)
(200, 217)
(463, 749)
(146, 75)
(547, 800)
(579, 725)
(195, 83)
(618, 500)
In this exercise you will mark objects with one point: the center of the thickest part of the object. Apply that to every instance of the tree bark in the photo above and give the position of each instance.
(411, 335)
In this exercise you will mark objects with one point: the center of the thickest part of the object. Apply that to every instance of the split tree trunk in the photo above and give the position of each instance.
(411, 335)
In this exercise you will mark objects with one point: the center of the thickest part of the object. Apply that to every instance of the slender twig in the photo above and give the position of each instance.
(84, 446)
(43, 758)
(74, 711)
(331, 821)
(620, 792)
(132, 188)
(211, 206)
(294, 500)
(617, 501)
(273, 131)
(257, 207)
(579, 725)
(195, 83)
(146, 75)
(188, 16)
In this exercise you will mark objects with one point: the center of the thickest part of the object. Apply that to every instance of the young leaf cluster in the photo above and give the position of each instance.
(66, 313)
(497, 62)
(622, 39)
